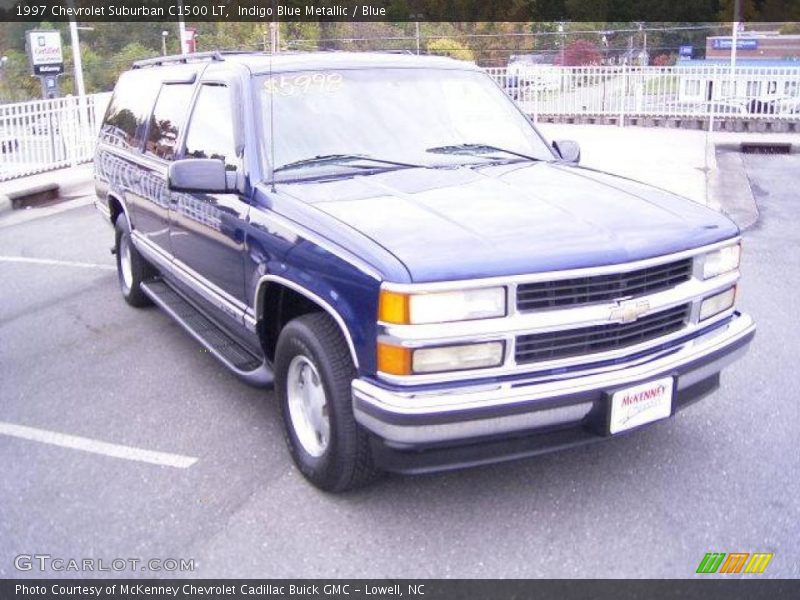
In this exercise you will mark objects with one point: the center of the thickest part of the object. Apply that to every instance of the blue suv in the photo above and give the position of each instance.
(392, 245)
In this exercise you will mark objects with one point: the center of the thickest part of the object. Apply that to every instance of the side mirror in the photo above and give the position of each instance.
(568, 150)
(205, 175)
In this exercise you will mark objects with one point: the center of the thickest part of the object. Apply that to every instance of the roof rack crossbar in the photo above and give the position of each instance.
(178, 58)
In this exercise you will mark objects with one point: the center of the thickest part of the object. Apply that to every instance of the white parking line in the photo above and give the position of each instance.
(59, 263)
(97, 447)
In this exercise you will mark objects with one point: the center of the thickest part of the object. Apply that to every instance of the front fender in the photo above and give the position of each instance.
(344, 291)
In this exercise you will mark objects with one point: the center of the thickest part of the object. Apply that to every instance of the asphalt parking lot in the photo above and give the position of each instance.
(76, 360)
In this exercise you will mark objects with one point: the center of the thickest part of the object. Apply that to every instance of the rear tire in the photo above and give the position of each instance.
(313, 373)
(132, 269)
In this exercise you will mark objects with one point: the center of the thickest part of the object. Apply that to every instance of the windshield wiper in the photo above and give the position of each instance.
(478, 149)
(341, 158)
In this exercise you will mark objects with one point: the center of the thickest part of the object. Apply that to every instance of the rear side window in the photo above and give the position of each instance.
(125, 122)
(167, 120)
(210, 133)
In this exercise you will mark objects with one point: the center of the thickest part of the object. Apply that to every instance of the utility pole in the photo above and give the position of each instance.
(644, 50)
(3, 62)
(274, 37)
(416, 23)
(737, 7)
(182, 30)
(76, 57)
(76, 53)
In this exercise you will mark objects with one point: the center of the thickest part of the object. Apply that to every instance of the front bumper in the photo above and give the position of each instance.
(457, 425)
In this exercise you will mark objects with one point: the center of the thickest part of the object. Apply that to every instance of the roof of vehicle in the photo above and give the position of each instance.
(263, 62)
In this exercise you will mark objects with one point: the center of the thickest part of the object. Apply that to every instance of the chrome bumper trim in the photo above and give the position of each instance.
(455, 413)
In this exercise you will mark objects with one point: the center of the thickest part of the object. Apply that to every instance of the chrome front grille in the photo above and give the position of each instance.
(599, 338)
(564, 293)
(577, 320)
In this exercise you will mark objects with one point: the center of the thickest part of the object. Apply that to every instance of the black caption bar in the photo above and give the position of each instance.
(396, 10)
(423, 589)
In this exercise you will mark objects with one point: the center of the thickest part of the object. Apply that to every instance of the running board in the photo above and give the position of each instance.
(230, 352)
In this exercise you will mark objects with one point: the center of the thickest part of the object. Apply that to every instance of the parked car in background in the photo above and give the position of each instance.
(425, 281)
(515, 88)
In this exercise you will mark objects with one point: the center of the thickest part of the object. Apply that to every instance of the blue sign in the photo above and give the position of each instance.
(727, 44)
(686, 51)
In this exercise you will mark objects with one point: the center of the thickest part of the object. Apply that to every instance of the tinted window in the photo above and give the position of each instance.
(210, 133)
(126, 118)
(167, 120)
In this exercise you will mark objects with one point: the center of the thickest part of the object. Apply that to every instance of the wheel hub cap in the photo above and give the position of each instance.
(308, 406)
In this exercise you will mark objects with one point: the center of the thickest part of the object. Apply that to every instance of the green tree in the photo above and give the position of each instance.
(18, 83)
(449, 47)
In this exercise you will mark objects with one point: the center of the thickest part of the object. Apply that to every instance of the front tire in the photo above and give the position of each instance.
(313, 373)
(132, 269)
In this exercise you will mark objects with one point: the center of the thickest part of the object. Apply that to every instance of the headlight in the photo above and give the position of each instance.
(442, 307)
(713, 305)
(457, 358)
(396, 360)
(722, 261)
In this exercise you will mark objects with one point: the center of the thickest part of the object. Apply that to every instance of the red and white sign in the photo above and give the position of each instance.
(189, 41)
(640, 404)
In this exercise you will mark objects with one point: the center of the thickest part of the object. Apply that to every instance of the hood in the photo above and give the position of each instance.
(464, 223)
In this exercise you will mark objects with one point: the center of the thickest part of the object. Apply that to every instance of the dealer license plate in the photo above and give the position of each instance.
(640, 404)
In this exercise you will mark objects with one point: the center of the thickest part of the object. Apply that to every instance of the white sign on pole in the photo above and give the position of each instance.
(44, 49)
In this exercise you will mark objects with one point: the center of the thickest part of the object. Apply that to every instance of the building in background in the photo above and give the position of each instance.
(755, 45)
(766, 77)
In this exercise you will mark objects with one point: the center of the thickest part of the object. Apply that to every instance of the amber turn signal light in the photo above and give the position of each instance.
(393, 307)
(394, 360)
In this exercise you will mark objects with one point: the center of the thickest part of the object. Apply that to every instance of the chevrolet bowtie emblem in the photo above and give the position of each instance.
(628, 312)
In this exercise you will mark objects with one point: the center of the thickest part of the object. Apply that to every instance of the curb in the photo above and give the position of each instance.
(60, 184)
(32, 194)
(729, 186)
(712, 173)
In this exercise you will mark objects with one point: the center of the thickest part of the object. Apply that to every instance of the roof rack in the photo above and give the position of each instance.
(215, 55)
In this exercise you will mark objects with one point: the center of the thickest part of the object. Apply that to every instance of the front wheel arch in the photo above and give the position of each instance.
(279, 301)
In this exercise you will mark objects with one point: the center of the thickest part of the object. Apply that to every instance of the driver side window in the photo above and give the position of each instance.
(211, 129)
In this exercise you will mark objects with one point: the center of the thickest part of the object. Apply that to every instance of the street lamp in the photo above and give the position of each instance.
(164, 35)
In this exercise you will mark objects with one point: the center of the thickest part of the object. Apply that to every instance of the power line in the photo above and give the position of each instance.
(599, 32)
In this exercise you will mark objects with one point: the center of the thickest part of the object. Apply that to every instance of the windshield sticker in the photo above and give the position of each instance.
(303, 83)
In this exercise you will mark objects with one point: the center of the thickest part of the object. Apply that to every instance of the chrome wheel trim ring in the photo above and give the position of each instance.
(126, 267)
(308, 406)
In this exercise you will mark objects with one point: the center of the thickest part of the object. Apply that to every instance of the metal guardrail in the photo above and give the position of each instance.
(620, 92)
(43, 135)
(49, 134)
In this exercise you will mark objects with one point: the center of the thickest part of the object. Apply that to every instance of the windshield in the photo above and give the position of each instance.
(354, 120)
